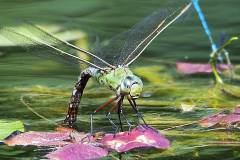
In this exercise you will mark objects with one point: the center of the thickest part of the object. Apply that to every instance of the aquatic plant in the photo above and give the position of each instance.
(216, 51)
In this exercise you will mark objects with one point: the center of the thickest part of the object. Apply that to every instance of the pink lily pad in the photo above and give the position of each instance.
(61, 137)
(211, 120)
(64, 129)
(74, 145)
(141, 136)
(39, 139)
(78, 151)
(221, 119)
(194, 68)
(230, 119)
(237, 110)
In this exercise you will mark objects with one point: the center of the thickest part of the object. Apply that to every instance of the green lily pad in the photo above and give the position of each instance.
(6, 128)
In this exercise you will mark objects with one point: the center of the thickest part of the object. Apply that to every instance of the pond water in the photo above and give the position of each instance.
(169, 98)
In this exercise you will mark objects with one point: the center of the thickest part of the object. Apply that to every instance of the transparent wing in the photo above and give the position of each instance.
(145, 32)
(42, 43)
(110, 50)
(129, 45)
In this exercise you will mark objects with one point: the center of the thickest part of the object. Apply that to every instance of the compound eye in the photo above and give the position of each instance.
(125, 86)
(127, 83)
(135, 83)
(136, 90)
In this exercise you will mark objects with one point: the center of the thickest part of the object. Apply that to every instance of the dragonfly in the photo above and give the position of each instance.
(116, 76)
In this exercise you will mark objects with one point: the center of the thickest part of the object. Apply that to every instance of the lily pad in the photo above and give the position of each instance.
(61, 137)
(139, 137)
(237, 110)
(196, 68)
(7, 127)
(39, 139)
(77, 145)
(230, 119)
(78, 151)
(221, 119)
(211, 120)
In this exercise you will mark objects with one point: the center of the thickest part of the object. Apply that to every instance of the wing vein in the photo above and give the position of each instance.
(74, 47)
(152, 33)
(6, 30)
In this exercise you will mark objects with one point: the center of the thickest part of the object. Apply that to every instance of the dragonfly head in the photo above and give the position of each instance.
(131, 85)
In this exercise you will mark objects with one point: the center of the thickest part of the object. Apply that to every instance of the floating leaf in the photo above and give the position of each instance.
(191, 68)
(7, 127)
(78, 151)
(141, 136)
(76, 145)
(211, 120)
(237, 110)
(230, 119)
(39, 139)
(61, 137)
(221, 119)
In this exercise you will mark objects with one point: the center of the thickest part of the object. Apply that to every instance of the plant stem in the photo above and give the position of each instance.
(214, 56)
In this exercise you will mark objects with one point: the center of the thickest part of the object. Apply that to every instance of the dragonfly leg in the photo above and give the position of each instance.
(75, 98)
(119, 118)
(117, 106)
(134, 106)
(108, 115)
(119, 111)
(138, 113)
(110, 101)
(91, 124)
(127, 121)
(115, 127)
(98, 109)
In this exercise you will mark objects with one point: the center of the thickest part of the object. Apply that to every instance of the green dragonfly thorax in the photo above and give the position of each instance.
(121, 80)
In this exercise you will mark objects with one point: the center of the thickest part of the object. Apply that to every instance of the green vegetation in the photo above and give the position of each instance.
(8, 126)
